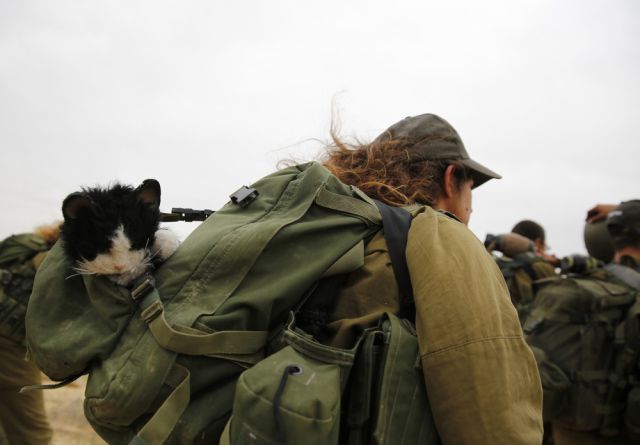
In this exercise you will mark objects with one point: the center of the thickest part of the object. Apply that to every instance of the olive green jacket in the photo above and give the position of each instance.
(481, 377)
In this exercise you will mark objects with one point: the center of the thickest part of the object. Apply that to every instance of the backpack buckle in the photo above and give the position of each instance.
(142, 287)
(244, 196)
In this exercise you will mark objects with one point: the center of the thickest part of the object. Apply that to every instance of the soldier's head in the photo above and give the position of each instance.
(623, 224)
(598, 241)
(420, 159)
(533, 231)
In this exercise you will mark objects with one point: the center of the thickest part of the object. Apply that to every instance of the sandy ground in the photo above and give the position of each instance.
(64, 408)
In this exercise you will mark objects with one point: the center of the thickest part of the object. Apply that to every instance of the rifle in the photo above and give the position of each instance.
(188, 215)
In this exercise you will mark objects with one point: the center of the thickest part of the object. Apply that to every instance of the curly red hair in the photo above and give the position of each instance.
(385, 171)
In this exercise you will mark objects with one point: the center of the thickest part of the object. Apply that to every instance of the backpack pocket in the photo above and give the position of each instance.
(555, 386)
(292, 396)
(632, 414)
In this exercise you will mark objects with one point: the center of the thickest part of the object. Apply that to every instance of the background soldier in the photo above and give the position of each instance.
(23, 418)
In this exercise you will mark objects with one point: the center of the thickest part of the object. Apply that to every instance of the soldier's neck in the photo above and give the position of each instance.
(627, 256)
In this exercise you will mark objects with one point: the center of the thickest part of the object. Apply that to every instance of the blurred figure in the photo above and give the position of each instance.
(623, 223)
(23, 419)
(535, 232)
(585, 332)
(523, 262)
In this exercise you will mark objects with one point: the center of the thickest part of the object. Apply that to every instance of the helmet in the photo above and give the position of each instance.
(598, 241)
(623, 223)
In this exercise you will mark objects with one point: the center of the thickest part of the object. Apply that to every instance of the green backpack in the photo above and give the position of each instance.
(585, 333)
(163, 360)
(17, 272)
(524, 274)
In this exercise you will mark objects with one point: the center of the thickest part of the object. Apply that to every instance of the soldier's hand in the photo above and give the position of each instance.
(599, 212)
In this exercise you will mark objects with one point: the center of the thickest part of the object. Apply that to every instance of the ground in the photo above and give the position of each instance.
(64, 408)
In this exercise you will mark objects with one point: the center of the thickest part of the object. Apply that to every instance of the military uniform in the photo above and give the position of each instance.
(566, 435)
(23, 418)
(481, 377)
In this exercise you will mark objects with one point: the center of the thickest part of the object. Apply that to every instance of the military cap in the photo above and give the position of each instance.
(433, 138)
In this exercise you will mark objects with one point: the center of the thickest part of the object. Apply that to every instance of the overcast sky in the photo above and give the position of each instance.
(207, 96)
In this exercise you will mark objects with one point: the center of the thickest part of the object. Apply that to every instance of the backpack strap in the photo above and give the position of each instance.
(239, 346)
(625, 274)
(314, 310)
(396, 222)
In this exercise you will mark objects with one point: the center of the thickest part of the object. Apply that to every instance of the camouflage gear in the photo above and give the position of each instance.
(163, 367)
(588, 326)
(22, 416)
(521, 268)
(19, 257)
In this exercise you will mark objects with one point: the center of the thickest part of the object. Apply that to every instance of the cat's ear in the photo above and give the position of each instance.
(149, 192)
(74, 204)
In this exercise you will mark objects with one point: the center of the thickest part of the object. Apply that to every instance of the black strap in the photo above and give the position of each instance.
(396, 223)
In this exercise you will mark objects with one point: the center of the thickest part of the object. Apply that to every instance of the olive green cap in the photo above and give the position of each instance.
(434, 139)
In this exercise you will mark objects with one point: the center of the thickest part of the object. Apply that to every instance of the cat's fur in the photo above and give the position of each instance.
(114, 231)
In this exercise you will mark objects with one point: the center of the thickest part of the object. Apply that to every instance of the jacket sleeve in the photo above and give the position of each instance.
(481, 377)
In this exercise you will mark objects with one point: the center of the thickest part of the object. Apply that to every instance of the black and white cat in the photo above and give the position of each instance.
(114, 231)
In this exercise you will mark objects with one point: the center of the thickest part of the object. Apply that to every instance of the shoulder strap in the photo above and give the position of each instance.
(396, 223)
(625, 274)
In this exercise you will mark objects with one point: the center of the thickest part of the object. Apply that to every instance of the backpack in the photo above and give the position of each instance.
(584, 330)
(524, 273)
(163, 360)
(17, 272)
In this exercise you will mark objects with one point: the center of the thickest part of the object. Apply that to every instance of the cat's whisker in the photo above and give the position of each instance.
(80, 273)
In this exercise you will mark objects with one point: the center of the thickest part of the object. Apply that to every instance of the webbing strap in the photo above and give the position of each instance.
(396, 223)
(603, 317)
(349, 205)
(626, 274)
(158, 428)
(591, 376)
(60, 384)
(360, 393)
(240, 346)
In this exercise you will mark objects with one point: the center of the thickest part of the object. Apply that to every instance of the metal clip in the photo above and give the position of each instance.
(142, 288)
(244, 196)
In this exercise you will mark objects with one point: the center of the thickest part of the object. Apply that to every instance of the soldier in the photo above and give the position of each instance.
(23, 419)
(523, 262)
(589, 374)
(535, 232)
(480, 376)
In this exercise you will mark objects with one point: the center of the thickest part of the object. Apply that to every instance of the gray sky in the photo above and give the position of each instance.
(208, 96)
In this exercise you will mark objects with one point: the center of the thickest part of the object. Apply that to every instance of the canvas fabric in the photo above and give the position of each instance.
(473, 357)
(587, 330)
(524, 274)
(20, 256)
(217, 308)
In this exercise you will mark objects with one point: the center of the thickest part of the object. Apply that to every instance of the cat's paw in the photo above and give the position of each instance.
(165, 244)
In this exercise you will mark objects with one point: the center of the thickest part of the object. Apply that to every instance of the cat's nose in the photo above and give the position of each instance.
(119, 267)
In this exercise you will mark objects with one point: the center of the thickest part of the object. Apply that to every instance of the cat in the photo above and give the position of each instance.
(115, 231)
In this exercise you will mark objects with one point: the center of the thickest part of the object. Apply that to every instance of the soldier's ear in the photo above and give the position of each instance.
(75, 204)
(449, 181)
(149, 192)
